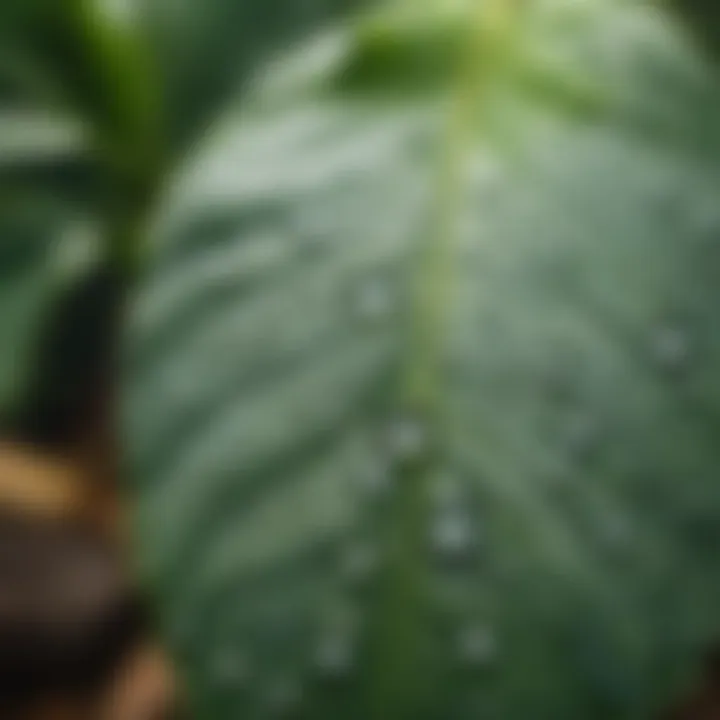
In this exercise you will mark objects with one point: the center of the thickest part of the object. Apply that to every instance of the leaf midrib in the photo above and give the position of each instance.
(400, 674)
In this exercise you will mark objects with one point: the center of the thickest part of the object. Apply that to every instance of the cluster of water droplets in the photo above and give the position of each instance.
(454, 534)
(454, 531)
(456, 540)
(334, 641)
(402, 440)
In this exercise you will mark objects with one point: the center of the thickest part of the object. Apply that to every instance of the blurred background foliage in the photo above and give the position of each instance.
(98, 100)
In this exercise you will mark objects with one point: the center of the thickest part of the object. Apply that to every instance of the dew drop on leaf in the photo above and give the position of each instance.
(334, 654)
(373, 299)
(477, 645)
(452, 534)
(406, 438)
(77, 250)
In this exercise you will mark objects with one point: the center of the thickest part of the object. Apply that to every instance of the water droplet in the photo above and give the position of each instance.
(335, 654)
(358, 563)
(406, 438)
(376, 477)
(671, 348)
(76, 250)
(452, 534)
(477, 645)
(374, 299)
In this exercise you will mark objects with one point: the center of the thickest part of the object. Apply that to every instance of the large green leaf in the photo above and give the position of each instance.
(423, 402)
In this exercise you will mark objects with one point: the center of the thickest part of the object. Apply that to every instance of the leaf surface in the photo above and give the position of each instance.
(204, 50)
(422, 402)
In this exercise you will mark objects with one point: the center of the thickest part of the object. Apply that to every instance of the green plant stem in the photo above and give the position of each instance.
(101, 71)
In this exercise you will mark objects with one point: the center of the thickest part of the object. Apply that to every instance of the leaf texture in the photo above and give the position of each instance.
(422, 402)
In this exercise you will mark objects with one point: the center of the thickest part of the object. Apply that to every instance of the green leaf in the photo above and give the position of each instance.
(422, 402)
(80, 156)
(87, 60)
(204, 49)
(48, 232)
(79, 54)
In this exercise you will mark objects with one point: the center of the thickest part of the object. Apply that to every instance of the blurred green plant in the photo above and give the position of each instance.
(80, 158)
(421, 404)
(98, 100)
